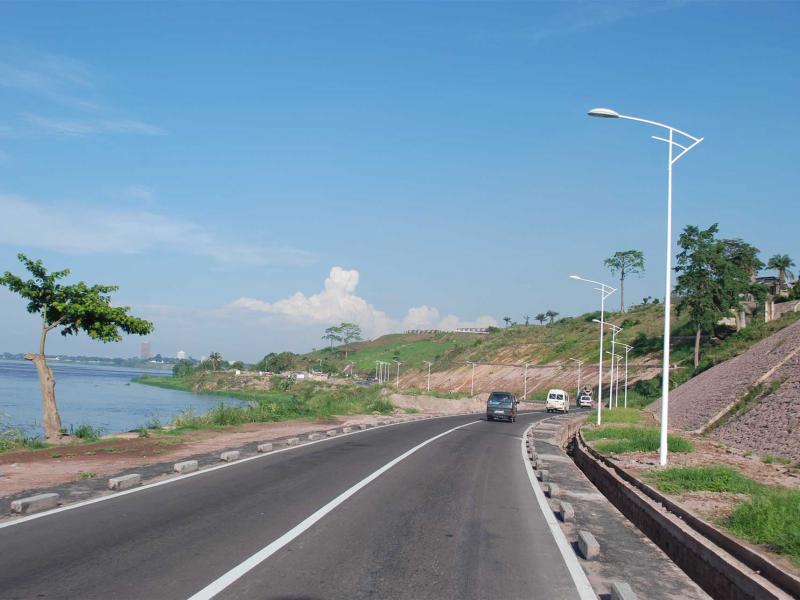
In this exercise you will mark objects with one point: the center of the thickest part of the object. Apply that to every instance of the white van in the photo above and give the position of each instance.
(557, 400)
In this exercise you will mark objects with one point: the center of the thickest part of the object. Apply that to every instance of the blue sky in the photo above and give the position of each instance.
(219, 161)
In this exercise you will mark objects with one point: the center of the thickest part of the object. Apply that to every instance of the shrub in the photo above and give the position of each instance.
(86, 432)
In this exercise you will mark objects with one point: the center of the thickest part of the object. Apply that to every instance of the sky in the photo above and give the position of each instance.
(250, 173)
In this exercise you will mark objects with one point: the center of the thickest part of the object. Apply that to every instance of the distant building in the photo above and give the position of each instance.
(181, 355)
(145, 351)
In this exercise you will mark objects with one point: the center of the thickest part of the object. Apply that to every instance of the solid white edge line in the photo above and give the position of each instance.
(585, 591)
(202, 471)
(230, 577)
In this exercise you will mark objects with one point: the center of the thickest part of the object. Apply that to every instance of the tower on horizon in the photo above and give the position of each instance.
(144, 354)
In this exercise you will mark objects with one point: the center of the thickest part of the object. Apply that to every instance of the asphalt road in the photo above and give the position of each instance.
(457, 518)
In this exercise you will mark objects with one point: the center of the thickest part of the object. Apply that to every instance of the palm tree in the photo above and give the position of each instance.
(551, 314)
(215, 359)
(541, 317)
(507, 320)
(527, 320)
(782, 263)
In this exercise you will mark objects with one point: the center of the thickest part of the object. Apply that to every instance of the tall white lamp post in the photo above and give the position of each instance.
(605, 292)
(429, 373)
(472, 382)
(525, 392)
(397, 383)
(675, 151)
(615, 329)
(580, 364)
(628, 348)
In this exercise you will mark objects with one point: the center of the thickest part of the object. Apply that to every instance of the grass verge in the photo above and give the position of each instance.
(631, 416)
(770, 517)
(300, 400)
(614, 439)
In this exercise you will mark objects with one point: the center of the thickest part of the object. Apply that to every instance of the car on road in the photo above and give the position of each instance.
(585, 401)
(501, 406)
(557, 400)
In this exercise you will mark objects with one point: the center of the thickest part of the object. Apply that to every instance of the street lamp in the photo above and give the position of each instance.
(689, 142)
(613, 399)
(605, 292)
(429, 373)
(397, 384)
(628, 348)
(472, 383)
(578, 391)
(615, 329)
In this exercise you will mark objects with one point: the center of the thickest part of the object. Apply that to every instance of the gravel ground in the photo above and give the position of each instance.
(700, 399)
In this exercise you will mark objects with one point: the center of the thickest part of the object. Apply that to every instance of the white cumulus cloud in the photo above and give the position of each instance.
(338, 301)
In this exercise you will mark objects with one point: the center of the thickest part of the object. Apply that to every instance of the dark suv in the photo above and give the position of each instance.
(501, 406)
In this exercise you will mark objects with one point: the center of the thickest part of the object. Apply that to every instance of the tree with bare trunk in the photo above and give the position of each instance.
(551, 314)
(73, 308)
(627, 262)
(216, 359)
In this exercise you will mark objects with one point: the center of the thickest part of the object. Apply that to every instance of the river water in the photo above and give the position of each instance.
(103, 397)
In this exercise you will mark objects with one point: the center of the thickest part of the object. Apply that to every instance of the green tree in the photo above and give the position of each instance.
(527, 320)
(349, 332)
(182, 368)
(713, 276)
(782, 263)
(277, 362)
(216, 359)
(541, 317)
(507, 320)
(238, 365)
(72, 308)
(333, 334)
(551, 314)
(624, 263)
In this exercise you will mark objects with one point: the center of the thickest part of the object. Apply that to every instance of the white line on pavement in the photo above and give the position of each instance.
(215, 587)
(585, 591)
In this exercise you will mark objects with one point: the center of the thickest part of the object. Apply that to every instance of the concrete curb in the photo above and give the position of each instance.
(588, 545)
(230, 455)
(34, 504)
(315, 436)
(622, 591)
(124, 482)
(186, 466)
(292, 441)
(565, 511)
(266, 447)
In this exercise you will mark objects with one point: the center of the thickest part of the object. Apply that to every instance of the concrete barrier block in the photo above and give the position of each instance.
(543, 475)
(315, 436)
(292, 441)
(565, 511)
(588, 545)
(124, 482)
(622, 591)
(362, 426)
(331, 433)
(347, 429)
(552, 490)
(187, 466)
(33, 504)
(540, 464)
(265, 447)
(229, 456)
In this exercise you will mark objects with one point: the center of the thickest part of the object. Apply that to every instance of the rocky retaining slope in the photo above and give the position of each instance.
(771, 424)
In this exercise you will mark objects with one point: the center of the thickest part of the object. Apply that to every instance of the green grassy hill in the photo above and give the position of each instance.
(543, 345)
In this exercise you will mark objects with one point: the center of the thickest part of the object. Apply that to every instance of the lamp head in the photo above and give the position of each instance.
(574, 277)
(605, 113)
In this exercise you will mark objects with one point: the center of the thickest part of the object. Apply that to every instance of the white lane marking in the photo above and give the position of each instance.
(585, 591)
(203, 471)
(215, 587)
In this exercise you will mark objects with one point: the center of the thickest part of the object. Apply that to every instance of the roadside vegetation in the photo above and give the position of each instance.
(767, 515)
(620, 439)
(287, 400)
